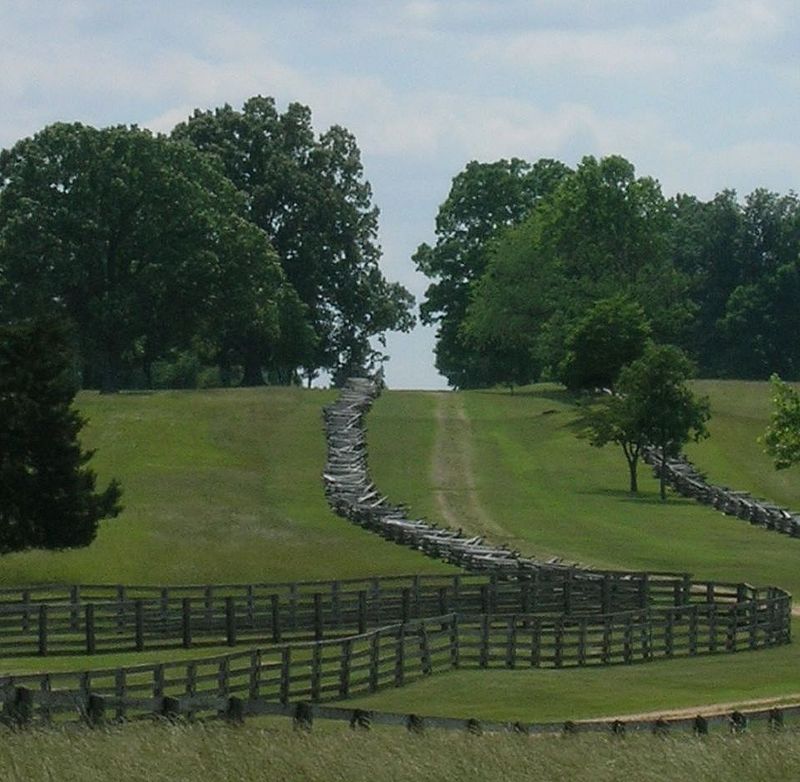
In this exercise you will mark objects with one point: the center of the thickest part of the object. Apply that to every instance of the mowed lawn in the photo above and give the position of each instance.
(219, 486)
(552, 494)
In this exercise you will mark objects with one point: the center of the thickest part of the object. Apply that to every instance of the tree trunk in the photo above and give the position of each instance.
(253, 376)
(663, 480)
(633, 464)
(110, 379)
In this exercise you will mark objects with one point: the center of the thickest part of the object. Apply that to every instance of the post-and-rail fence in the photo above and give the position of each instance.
(316, 642)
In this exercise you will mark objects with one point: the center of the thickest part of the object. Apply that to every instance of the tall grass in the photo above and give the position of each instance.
(214, 753)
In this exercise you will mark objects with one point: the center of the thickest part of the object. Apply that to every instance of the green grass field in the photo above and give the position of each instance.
(224, 486)
(219, 487)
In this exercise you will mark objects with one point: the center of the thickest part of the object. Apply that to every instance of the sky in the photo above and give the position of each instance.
(700, 94)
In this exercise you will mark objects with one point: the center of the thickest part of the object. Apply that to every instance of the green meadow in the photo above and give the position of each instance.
(224, 486)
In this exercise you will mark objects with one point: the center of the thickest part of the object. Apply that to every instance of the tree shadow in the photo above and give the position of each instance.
(623, 495)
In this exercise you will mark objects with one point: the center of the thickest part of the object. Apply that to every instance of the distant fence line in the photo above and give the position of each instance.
(687, 480)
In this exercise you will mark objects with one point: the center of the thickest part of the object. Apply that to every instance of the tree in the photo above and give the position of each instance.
(782, 438)
(484, 199)
(140, 241)
(610, 335)
(599, 234)
(308, 194)
(653, 406)
(47, 493)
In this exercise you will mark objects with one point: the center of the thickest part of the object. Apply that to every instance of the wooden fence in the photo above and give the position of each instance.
(394, 655)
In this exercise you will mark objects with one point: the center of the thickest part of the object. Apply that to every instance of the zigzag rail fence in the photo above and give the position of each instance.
(315, 642)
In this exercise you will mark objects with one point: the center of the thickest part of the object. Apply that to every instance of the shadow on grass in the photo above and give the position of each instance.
(622, 495)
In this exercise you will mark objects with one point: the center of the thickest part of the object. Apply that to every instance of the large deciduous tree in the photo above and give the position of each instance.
(307, 192)
(139, 240)
(653, 406)
(484, 199)
(47, 491)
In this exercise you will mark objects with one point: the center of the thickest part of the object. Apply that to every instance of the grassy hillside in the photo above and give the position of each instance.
(219, 486)
(545, 492)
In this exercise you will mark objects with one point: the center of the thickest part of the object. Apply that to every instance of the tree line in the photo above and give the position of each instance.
(540, 271)
(242, 241)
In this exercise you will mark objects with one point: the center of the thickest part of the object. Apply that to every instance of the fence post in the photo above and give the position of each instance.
(669, 633)
(493, 593)
(607, 630)
(317, 616)
(316, 671)
(374, 660)
(74, 602)
(399, 659)
(208, 605)
(251, 607)
(644, 591)
(164, 607)
(43, 629)
(484, 648)
(276, 618)
(336, 616)
(230, 621)
(255, 675)
(362, 611)
(693, 630)
(730, 640)
(405, 606)
(293, 606)
(344, 670)
(415, 583)
(485, 606)
(46, 686)
(186, 621)
(138, 608)
(121, 597)
(558, 639)
(26, 613)
(424, 650)
(567, 588)
(582, 630)
(605, 597)
(627, 639)
(511, 642)
(158, 680)
(120, 691)
(455, 642)
(223, 678)
(22, 706)
(525, 597)
(712, 627)
(752, 622)
(89, 626)
(536, 642)
(95, 710)
(443, 608)
(286, 665)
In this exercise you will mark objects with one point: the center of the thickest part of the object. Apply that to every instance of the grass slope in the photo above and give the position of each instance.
(549, 493)
(219, 487)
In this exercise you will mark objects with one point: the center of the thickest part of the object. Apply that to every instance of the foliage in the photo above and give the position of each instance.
(782, 437)
(653, 406)
(484, 199)
(308, 194)
(598, 235)
(140, 241)
(610, 335)
(47, 493)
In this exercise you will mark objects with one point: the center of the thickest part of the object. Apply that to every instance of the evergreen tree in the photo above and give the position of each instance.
(47, 493)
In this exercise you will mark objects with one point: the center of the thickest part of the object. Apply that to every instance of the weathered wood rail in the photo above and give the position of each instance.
(686, 479)
(313, 642)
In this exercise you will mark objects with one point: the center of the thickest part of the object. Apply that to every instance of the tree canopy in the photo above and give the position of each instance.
(47, 491)
(653, 405)
(308, 194)
(141, 241)
(484, 199)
